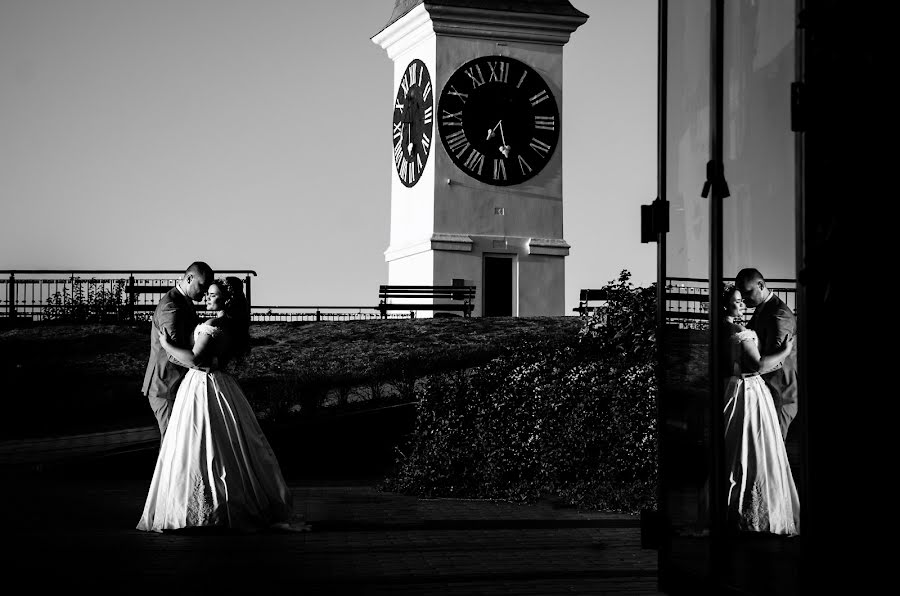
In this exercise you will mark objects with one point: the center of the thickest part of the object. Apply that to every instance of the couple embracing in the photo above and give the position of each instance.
(760, 403)
(215, 468)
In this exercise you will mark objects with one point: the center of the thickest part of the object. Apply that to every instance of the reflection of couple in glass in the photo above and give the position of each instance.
(760, 402)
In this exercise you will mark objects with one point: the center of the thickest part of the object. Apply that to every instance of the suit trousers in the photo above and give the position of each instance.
(786, 413)
(162, 409)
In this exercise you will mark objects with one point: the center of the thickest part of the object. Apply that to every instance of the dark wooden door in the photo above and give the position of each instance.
(498, 287)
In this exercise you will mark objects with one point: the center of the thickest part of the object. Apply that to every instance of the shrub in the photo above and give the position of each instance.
(97, 305)
(576, 421)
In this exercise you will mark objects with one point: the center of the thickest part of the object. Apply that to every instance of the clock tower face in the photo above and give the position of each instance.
(412, 127)
(498, 120)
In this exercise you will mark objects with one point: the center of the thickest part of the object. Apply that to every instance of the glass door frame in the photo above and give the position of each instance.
(715, 191)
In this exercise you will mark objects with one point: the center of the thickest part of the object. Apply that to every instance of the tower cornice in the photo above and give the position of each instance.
(486, 21)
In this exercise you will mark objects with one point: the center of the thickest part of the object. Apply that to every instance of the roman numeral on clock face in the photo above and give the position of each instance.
(406, 170)
(427, 119)
(523, 165)
(409, 77)
(452, 118)
(545, 122)
(538, 98)
(540, 147)
(426, 142)
(398, 130)
(499, 169)
(499, 71)
(461, 96)
(475, 160)
(398, 153)
(459, 141)
(476, 81)
(427, 91)
(522, 79)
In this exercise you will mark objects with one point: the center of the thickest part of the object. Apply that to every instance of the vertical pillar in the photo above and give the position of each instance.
(131, 297)
(11, 307)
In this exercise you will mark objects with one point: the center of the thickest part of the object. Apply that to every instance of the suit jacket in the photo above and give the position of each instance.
(773, 320)
(176, 314)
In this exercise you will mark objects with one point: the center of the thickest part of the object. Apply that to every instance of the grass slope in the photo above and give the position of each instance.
(68, 379)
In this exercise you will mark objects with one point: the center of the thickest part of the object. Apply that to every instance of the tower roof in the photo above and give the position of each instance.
(555, 7)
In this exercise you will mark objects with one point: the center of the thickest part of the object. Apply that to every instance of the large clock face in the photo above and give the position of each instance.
(498, 120)
(413, 115)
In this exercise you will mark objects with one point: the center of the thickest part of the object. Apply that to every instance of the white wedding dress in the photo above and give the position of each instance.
(215, 466)
(762, 496)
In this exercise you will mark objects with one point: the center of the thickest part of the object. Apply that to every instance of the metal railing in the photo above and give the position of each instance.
(288, 314)
(687, 299)
(127, 295)
(90, 295)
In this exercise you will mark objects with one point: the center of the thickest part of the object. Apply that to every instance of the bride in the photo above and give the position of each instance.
(762, 496)
(215, 467)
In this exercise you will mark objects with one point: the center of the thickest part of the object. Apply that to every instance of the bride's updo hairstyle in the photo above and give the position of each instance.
(237, 315)
(727, 295)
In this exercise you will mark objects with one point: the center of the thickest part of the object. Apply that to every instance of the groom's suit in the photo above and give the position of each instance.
(772, 320)
(176, 315)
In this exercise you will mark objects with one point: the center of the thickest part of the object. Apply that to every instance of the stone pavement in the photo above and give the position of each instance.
(69, 524)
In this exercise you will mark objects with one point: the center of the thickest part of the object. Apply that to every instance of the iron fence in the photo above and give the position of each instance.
(687, 299)
(77, 295)
(96, 295)
(275, 314)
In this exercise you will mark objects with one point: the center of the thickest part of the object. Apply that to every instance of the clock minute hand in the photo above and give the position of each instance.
(504, 148)
(409, 146)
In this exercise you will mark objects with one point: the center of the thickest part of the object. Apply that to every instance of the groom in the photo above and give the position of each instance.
(175, 314)
(772, 320)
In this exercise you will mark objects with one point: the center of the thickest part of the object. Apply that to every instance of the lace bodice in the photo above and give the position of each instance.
(207, 329)
(745, 335)
(734, 341)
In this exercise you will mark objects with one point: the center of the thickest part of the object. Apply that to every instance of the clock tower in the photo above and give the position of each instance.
(476, 143)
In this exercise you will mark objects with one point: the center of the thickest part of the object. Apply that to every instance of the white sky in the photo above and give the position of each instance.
(252, 134)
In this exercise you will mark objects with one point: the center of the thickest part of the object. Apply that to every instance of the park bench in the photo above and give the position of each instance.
(584, 298)
(463, 297)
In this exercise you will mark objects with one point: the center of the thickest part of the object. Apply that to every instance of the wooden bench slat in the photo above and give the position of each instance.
(417, 292)
(462, 295)
(425, 291)
(395, 306)
(593, 295)
(389, 287)
(405, 296)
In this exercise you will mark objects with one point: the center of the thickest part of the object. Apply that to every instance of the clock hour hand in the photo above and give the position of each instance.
(504, 148)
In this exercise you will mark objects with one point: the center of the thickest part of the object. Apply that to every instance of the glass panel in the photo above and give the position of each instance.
(684, 395)
(759, 230)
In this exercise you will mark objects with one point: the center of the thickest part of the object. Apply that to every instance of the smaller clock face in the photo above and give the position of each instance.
(498, 120)
(412, 128)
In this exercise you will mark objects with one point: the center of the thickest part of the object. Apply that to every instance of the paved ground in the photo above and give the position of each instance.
(69, 508)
